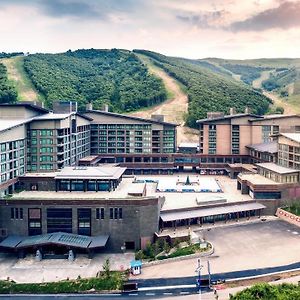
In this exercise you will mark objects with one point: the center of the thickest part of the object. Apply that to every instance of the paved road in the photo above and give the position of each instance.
(163, 287)
(221, 276)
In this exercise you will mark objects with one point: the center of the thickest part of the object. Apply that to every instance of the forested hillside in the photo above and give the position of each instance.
(208, 91)
(114, 77)
(281, 78)
(8, 93)
(9, 55)
(248, 73)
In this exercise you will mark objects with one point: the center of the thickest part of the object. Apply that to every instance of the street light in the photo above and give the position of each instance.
(198, 270)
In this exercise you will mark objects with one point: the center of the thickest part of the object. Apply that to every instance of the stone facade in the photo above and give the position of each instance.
(137, 225)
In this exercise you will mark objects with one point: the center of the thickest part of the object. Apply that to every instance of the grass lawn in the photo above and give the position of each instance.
(102, 283)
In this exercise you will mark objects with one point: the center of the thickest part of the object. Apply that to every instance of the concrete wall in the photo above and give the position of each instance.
(13, 134)
(17, 112)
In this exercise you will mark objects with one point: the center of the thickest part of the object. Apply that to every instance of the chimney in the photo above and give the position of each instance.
(247, 110)
(159, 118)
(105, 107)
(89, 106)
(232, 111)
(214, 114)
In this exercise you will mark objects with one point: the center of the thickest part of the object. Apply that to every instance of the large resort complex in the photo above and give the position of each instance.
(123, 182)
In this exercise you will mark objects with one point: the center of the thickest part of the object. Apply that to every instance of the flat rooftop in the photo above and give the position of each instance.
(277, 169)
(173, 200)
(258, 179)
(100, 173)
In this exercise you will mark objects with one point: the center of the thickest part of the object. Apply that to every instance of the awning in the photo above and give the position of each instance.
(56, 238)
(209, 211)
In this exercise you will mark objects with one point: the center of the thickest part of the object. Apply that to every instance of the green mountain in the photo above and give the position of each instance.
(209, 88)
(114, 77)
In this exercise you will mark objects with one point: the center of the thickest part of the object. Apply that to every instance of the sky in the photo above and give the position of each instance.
(237, 29)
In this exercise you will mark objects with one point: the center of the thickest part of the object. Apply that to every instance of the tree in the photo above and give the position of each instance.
(106, 268)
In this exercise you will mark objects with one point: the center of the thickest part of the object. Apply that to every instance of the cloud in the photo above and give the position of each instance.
(206, 20)
(82, 9)
(77, 9)
(285, 16)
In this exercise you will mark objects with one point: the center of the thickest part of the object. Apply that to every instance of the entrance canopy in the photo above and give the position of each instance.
(56, 238)
(209, 211)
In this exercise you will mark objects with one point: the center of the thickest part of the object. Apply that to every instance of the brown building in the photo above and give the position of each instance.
(115, 133)
(231, 134)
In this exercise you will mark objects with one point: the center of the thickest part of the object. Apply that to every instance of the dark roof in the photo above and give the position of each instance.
(28, 105)
(270, 147)
(57, 238)
(208, 120)
(209, 211)
(11, 241)
(272, 117)
(130, 117)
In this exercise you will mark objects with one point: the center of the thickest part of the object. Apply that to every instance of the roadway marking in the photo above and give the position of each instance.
(184, 293)
(168, 293)
(150, 294)
(171, 287)
(133, 294)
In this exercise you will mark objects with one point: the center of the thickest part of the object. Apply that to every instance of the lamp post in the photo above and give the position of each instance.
(198, 270)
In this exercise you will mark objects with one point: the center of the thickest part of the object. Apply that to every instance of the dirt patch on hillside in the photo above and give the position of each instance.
(173, 109)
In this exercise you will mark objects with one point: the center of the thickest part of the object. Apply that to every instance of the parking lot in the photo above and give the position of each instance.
(240, 247)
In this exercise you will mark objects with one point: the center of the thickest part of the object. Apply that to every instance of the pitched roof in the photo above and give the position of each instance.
(130, 117)
(228, 117)
(9, 124)
(28, 105)
(57, 238)
(292, 136)
(276, 116)
(209, 211)
(55, 116)
(270, 147)
(276, 168)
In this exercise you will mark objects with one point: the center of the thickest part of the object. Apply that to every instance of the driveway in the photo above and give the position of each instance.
(240, 247)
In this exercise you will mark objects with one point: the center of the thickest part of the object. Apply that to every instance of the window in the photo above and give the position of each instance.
(45, 132)
(59, 219)
(16, 213)
(116, 213)
(100, 213)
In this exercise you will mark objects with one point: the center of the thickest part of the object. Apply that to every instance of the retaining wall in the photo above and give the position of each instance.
(288, 217)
